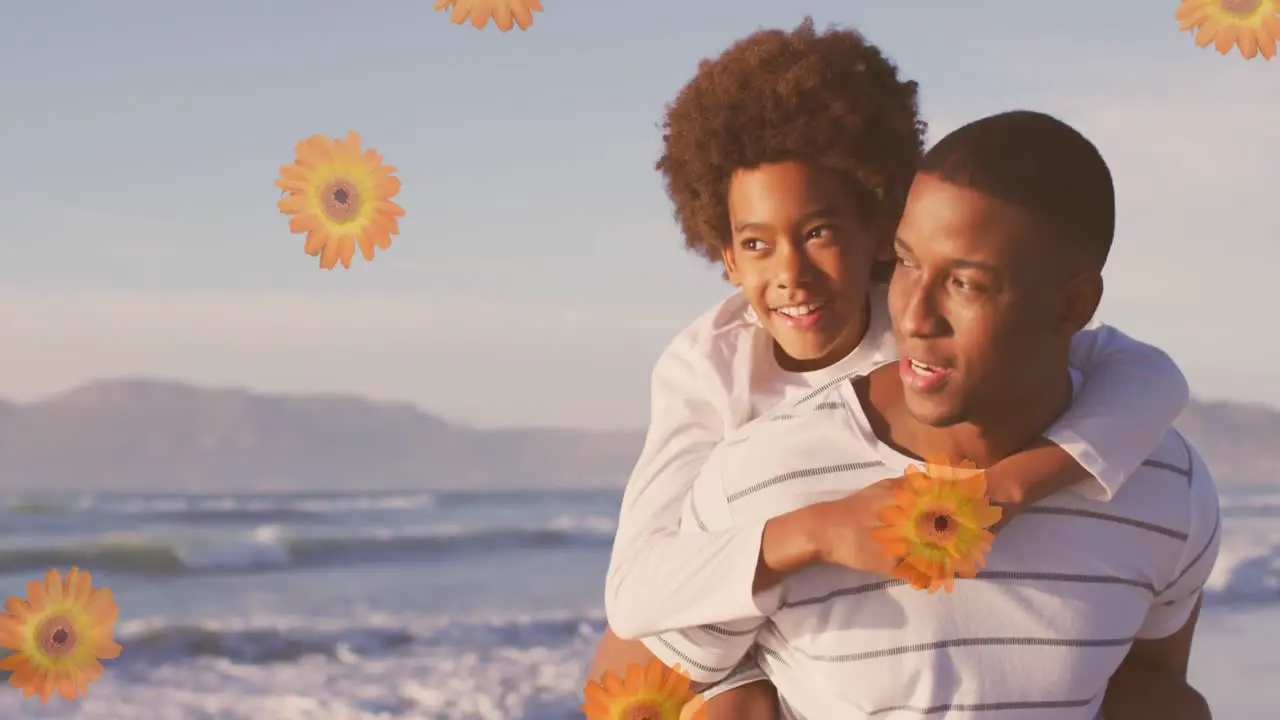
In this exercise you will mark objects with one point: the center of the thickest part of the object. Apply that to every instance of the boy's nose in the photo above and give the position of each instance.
(791, 266)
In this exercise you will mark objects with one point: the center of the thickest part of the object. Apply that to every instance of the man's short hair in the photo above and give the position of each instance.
(1040, 164)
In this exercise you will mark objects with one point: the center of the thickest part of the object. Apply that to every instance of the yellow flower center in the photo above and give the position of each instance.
(643, 710)
(340, 199)
(1241, 8)
(56, 636)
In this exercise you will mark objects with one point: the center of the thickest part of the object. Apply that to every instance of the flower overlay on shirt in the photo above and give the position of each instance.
(649, 692)
(938, 525)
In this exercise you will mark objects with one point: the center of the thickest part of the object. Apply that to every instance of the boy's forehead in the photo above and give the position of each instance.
(792, 186)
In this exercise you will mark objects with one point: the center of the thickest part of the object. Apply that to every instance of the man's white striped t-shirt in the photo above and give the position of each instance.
(1069, 584)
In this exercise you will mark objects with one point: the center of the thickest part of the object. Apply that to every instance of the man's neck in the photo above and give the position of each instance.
(984, 442)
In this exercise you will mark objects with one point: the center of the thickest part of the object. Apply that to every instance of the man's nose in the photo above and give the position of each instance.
(921, 314)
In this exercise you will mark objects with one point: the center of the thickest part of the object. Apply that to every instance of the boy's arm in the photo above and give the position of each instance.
(1132, 393)
(659, 579)
(708, 653)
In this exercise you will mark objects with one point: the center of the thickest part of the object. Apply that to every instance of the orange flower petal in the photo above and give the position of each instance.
(1226, 39)
(66, 687)
(109, 650)
(294, 205)
(36, 596)
(388, 186)
(346, 250)
(523, 13)
(892, 514)
(80, 585)
(390, 208)
(329, 255)
(13, 663)
(1248, 43)
(502, 16)
(13, 633)
(316, 241)
(304, 223)
(102, 607)
(366, 246)
(1206, 32)
(18, 608)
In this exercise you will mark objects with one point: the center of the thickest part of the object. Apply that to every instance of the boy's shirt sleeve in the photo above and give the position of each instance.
(709, 652)
(1175, 601)
(1132, 393)
(659, 579)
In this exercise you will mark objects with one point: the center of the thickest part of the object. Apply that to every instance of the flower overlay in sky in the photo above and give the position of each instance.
(59, 633)
(938, 524)
(340, 197)
(651, 692)
(1251, 25)
(503, 12)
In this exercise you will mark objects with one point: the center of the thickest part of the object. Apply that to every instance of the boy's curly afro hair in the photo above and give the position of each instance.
(832, 99)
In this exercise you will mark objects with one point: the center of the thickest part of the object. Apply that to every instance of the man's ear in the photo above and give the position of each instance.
(1084, 294)
(730, 266)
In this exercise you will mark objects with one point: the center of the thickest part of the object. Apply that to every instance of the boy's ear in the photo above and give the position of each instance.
(730, 266)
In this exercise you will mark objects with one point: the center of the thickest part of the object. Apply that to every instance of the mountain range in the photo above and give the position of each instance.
(137, 435)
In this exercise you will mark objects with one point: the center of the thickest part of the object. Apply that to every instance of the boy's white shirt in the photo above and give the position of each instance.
(720, 373)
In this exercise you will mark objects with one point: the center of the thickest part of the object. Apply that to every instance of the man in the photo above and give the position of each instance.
(1000, 253)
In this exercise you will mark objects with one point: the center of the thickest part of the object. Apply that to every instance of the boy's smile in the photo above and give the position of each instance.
(802, 256)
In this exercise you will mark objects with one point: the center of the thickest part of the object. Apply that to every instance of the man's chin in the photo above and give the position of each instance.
(933, 411)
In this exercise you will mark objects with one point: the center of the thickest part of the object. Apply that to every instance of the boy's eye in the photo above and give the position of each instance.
(752, 244)
(819, 231)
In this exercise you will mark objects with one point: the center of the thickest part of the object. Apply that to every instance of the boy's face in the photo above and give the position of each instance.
(983, 305)
(802, 256)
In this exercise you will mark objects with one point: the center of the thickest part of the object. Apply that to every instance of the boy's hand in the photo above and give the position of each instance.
(843, 530)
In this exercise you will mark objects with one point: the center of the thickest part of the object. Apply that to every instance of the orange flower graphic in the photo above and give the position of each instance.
(503, 12)
(1251, 25)
(651, 692)
(60, 634)
(938, 524)
(340, 197)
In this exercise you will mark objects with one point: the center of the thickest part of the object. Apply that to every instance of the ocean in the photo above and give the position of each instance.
(434, 606)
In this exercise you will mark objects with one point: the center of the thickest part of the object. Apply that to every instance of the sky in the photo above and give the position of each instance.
(538, 273)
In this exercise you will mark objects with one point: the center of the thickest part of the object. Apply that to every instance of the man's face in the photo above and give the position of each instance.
(802, 256)
(979, 305)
